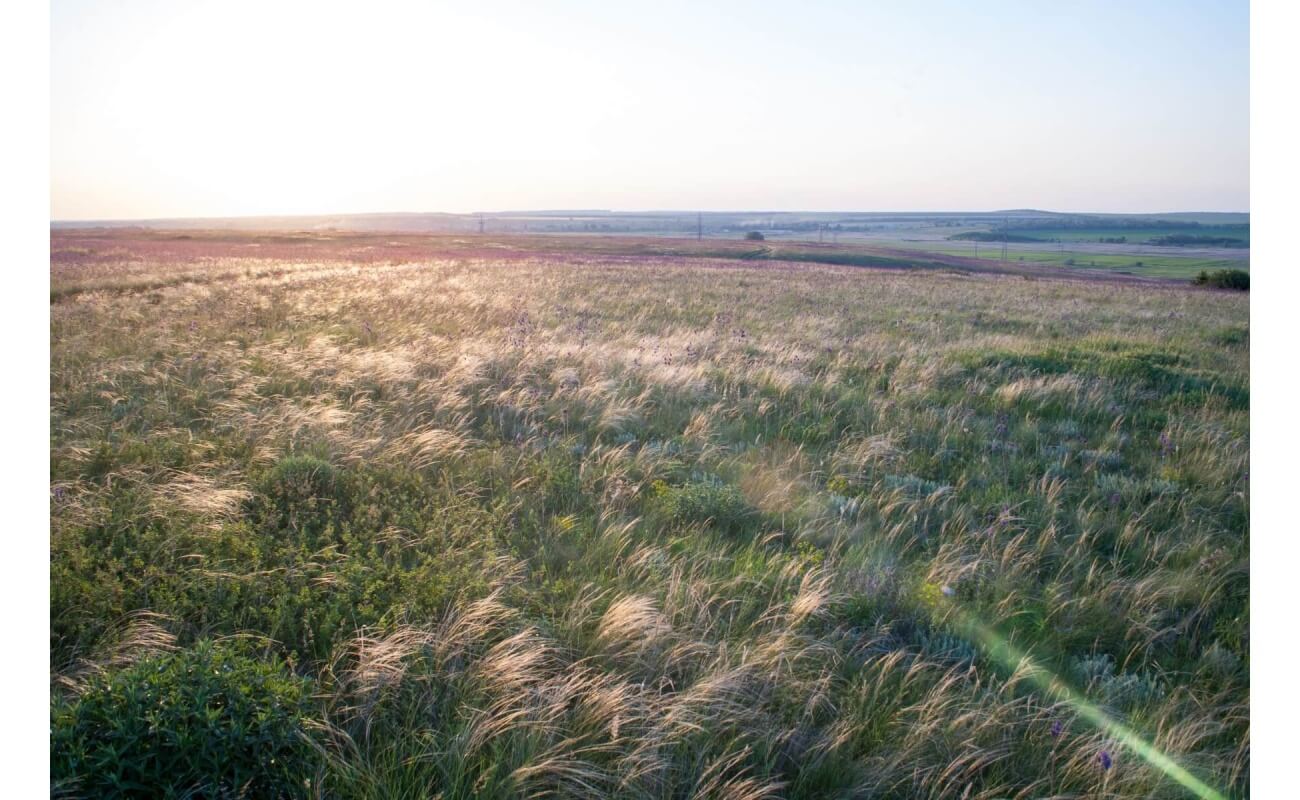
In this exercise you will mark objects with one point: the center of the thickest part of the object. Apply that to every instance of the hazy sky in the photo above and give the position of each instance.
(229, 108)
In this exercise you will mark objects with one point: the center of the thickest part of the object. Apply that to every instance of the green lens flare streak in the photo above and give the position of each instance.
(1015, 659)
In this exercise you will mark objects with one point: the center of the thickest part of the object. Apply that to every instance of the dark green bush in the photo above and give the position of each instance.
(211, 721)
(1224, 279)
(754, 236)
(703, 501)
(301, 494)
(300, 478)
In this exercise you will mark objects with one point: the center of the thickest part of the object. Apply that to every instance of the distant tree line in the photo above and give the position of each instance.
(1183, 239)
(994, 236)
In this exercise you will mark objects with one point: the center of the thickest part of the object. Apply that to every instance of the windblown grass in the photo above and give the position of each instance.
(665, 527)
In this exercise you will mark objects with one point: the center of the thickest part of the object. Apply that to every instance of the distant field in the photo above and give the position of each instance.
(879, 252)
(471, 517)
(1152, 261)
(1134, 235)
(1087, 255)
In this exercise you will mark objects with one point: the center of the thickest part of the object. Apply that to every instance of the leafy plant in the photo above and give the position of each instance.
(208, 721)
(703, 501)
(1224, 279)
(1123, 690)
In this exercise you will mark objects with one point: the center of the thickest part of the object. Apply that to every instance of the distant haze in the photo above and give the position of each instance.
(176, 109)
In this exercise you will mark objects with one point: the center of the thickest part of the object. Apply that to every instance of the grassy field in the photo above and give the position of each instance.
(1153, 262)
(1134, 235)
(360, 519)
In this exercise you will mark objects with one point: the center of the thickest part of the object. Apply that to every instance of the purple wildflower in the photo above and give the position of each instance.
(1104, 759)
(1166, 444)
(1057, 728)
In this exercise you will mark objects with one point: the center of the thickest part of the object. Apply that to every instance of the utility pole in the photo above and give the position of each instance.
(699, 226)
(1006, 231)
(480, 224)
(820, 230)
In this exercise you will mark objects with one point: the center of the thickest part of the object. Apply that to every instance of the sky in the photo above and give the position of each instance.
(193, 108)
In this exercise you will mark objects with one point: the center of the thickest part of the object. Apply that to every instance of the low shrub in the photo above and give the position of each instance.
(1116, 689)
(703, 501)
(1237, 279)
(300, 478)
(301, 494)
(210, 721)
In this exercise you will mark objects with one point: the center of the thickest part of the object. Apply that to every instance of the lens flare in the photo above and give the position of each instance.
(1012, 657)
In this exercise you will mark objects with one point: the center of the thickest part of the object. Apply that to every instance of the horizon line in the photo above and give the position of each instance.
(677, 211)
